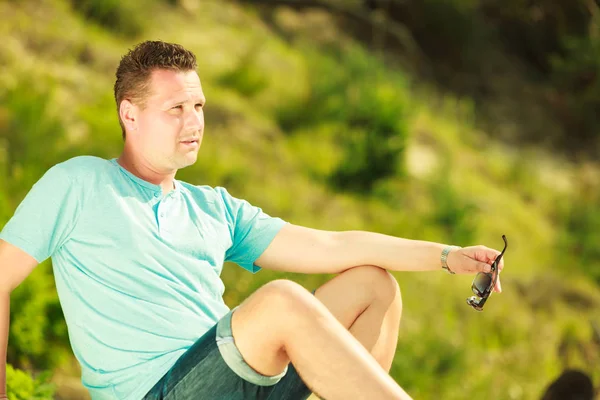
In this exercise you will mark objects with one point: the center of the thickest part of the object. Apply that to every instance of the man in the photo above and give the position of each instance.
(137, 256)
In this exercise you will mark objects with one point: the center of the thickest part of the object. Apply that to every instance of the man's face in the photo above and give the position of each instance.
(170, 128)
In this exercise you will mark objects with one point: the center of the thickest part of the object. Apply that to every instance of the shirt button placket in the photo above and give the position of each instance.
(159, 211)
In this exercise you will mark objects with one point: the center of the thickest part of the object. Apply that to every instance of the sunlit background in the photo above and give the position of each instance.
(455, 121)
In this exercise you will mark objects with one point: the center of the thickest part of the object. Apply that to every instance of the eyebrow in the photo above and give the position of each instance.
(178, 103)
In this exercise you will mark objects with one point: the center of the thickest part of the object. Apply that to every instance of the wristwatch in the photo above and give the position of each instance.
(444, 257)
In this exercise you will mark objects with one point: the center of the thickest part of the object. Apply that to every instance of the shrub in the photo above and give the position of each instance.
(581, 235)
(246, 77)
(22, 386)
(121, 17)
(32, 134)
(576, 77)
(453, 214)
(33, 139)
(38, 335)
(352, 90)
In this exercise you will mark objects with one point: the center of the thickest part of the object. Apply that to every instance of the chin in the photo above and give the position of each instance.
(187, 160)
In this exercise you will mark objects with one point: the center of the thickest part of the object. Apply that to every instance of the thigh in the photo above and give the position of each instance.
(291, 387)
(264, 322)
(213, 368)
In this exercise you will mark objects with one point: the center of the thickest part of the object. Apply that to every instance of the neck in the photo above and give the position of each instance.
(143, 170)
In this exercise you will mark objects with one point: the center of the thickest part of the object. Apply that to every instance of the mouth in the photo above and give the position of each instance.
(191, 142)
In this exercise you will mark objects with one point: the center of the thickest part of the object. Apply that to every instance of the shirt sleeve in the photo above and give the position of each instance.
(251, 230)
(47, 215)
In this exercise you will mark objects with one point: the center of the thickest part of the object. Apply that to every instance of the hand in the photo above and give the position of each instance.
(475, 259)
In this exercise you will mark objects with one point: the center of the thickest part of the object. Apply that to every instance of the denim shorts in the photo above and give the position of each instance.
(213, 369)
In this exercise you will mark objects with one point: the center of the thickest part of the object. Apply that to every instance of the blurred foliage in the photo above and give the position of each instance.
(536, 30)
(38, 335)
(488, 50)
(553, 44)
(435, 373)
(246, 78)
(22, 386)
(325, 134)
(582, 234)
(122, 17)
(368, 115)
(576, 77)
(29, 113)
(453, 213)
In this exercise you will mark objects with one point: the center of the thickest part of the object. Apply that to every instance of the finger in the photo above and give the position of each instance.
(498, 286)
(491, 254)
(501, 265)
(482, 267)
(485, 254)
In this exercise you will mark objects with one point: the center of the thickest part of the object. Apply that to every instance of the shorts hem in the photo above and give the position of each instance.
(233, 358)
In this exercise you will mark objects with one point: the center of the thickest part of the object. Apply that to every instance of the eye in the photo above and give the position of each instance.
(177, 107)
(199, 105)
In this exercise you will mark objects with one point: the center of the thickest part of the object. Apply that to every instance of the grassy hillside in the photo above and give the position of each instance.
(305, 123)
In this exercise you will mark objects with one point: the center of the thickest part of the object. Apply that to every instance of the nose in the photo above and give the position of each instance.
(194, 120)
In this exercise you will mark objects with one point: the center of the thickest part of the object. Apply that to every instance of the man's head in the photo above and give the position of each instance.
(160, 104)
(572, 384)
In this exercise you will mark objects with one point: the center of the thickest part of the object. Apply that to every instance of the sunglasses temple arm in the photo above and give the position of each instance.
(503, 250)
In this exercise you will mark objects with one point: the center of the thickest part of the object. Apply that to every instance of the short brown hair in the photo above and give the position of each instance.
(135, 68)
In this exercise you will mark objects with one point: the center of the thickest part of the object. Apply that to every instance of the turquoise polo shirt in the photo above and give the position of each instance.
(137, 272)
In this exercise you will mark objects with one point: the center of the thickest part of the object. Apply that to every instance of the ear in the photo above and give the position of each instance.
(128, 113)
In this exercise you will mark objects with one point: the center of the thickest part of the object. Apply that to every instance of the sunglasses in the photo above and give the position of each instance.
(484, 283)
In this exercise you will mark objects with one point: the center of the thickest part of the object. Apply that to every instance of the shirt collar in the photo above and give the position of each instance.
(157, 189)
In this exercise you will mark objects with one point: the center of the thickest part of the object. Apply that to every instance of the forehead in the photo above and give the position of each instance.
(170, 85)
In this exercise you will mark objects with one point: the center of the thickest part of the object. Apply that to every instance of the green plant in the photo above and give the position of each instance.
(33, 136)
(38, 336)
(581, 235)
(455, 215)
(576, 77)
(351, 90)
(246, 77)
(21, 386)
(118, 16)
(33, 133)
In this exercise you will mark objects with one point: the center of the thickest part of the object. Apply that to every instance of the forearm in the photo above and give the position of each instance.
(389, 252)
(4, 323)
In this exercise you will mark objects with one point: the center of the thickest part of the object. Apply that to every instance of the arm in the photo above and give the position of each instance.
(15, 266)
(4, 323)
(306, 250)
(42, 222)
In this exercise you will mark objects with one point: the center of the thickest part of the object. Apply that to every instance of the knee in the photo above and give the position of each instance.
(288, 298)
(381, 283)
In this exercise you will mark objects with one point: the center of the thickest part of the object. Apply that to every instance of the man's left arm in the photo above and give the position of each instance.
(312, 251)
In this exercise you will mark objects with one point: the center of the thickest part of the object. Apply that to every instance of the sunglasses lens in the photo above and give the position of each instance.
(481, 283)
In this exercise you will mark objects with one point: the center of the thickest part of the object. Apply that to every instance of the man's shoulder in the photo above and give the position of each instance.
(82, 166)
(84, 163)
(217, 194)
(199, 190)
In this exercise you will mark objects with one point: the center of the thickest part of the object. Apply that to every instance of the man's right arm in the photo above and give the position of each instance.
(15, 266)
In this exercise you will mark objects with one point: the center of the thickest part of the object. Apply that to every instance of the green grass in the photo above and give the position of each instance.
(266, 142)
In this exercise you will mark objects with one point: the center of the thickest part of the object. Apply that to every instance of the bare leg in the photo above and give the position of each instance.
(283, 322)
(367, 301)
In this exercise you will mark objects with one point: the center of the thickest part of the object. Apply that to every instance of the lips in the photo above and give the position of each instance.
(190, 141)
